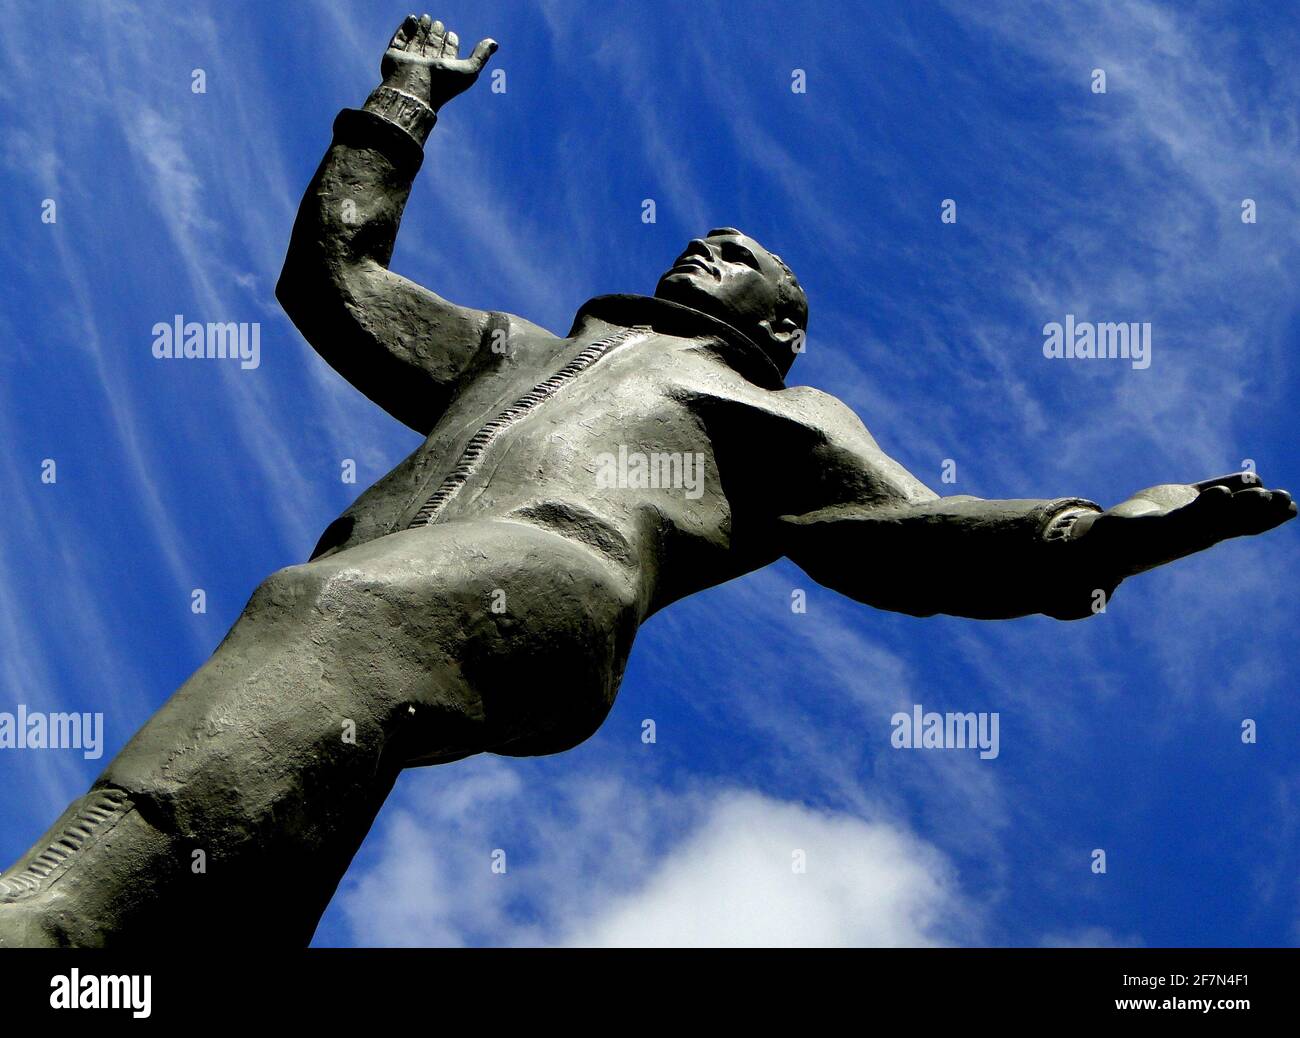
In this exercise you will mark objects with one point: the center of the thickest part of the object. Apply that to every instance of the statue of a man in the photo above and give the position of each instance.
(484, 595)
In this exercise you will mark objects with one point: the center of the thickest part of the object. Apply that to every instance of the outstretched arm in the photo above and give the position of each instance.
(888, 540)
(404, 347)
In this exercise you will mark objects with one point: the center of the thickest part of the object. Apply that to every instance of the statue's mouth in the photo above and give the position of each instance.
(693, 263)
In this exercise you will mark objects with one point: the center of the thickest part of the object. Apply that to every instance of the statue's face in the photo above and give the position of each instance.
(728, 276)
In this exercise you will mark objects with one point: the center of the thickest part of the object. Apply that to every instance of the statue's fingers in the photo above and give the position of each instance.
(1281, 509)
(1259, 509)
(484, 50)
(450, 45)
(1233, 481)
(1287, 508)
(1213, 496)
(437, 40)
(405, 33)
(1206, 508)
(422, 37)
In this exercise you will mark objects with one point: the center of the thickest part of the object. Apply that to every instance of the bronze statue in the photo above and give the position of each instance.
(484, 595)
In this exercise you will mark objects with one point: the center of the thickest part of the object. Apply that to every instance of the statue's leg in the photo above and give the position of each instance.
(233, 813)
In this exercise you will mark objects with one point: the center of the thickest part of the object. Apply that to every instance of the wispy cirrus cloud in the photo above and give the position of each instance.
(773, 725)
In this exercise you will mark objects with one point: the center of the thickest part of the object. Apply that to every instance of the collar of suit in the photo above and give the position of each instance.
(736, 348)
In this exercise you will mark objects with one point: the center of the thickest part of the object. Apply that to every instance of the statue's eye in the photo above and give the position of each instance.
(739, 254)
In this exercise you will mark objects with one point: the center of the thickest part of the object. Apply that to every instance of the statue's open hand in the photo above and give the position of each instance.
(1163, 523)
(422, 61)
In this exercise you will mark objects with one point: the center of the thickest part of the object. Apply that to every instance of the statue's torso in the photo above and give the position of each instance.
(647, 444)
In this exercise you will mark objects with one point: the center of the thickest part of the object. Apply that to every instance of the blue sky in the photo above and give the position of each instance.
(1120, 733)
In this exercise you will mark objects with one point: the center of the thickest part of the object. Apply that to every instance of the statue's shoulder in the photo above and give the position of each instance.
(517, 327)
(828, 413)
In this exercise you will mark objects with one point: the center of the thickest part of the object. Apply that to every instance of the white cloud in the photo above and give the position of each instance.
(732, 883)
(592, 860)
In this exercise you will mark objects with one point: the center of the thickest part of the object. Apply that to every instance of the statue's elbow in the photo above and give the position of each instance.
(304, 287)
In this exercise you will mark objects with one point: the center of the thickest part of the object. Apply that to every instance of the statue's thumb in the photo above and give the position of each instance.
(484, 50)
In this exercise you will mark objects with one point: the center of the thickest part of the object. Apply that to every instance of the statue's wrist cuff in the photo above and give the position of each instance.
(403, 110)
(1060, 524)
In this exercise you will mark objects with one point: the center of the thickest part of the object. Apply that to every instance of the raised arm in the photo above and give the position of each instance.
(404, 347)
(884, 538)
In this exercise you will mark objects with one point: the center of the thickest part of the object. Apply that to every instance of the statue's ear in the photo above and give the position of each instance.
(785, 334)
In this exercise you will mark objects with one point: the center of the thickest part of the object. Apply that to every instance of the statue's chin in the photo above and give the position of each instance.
(687, 291)
(670, 286)
(682, 288)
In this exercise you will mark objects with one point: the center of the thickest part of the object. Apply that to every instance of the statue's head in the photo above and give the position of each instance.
(731, 277)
